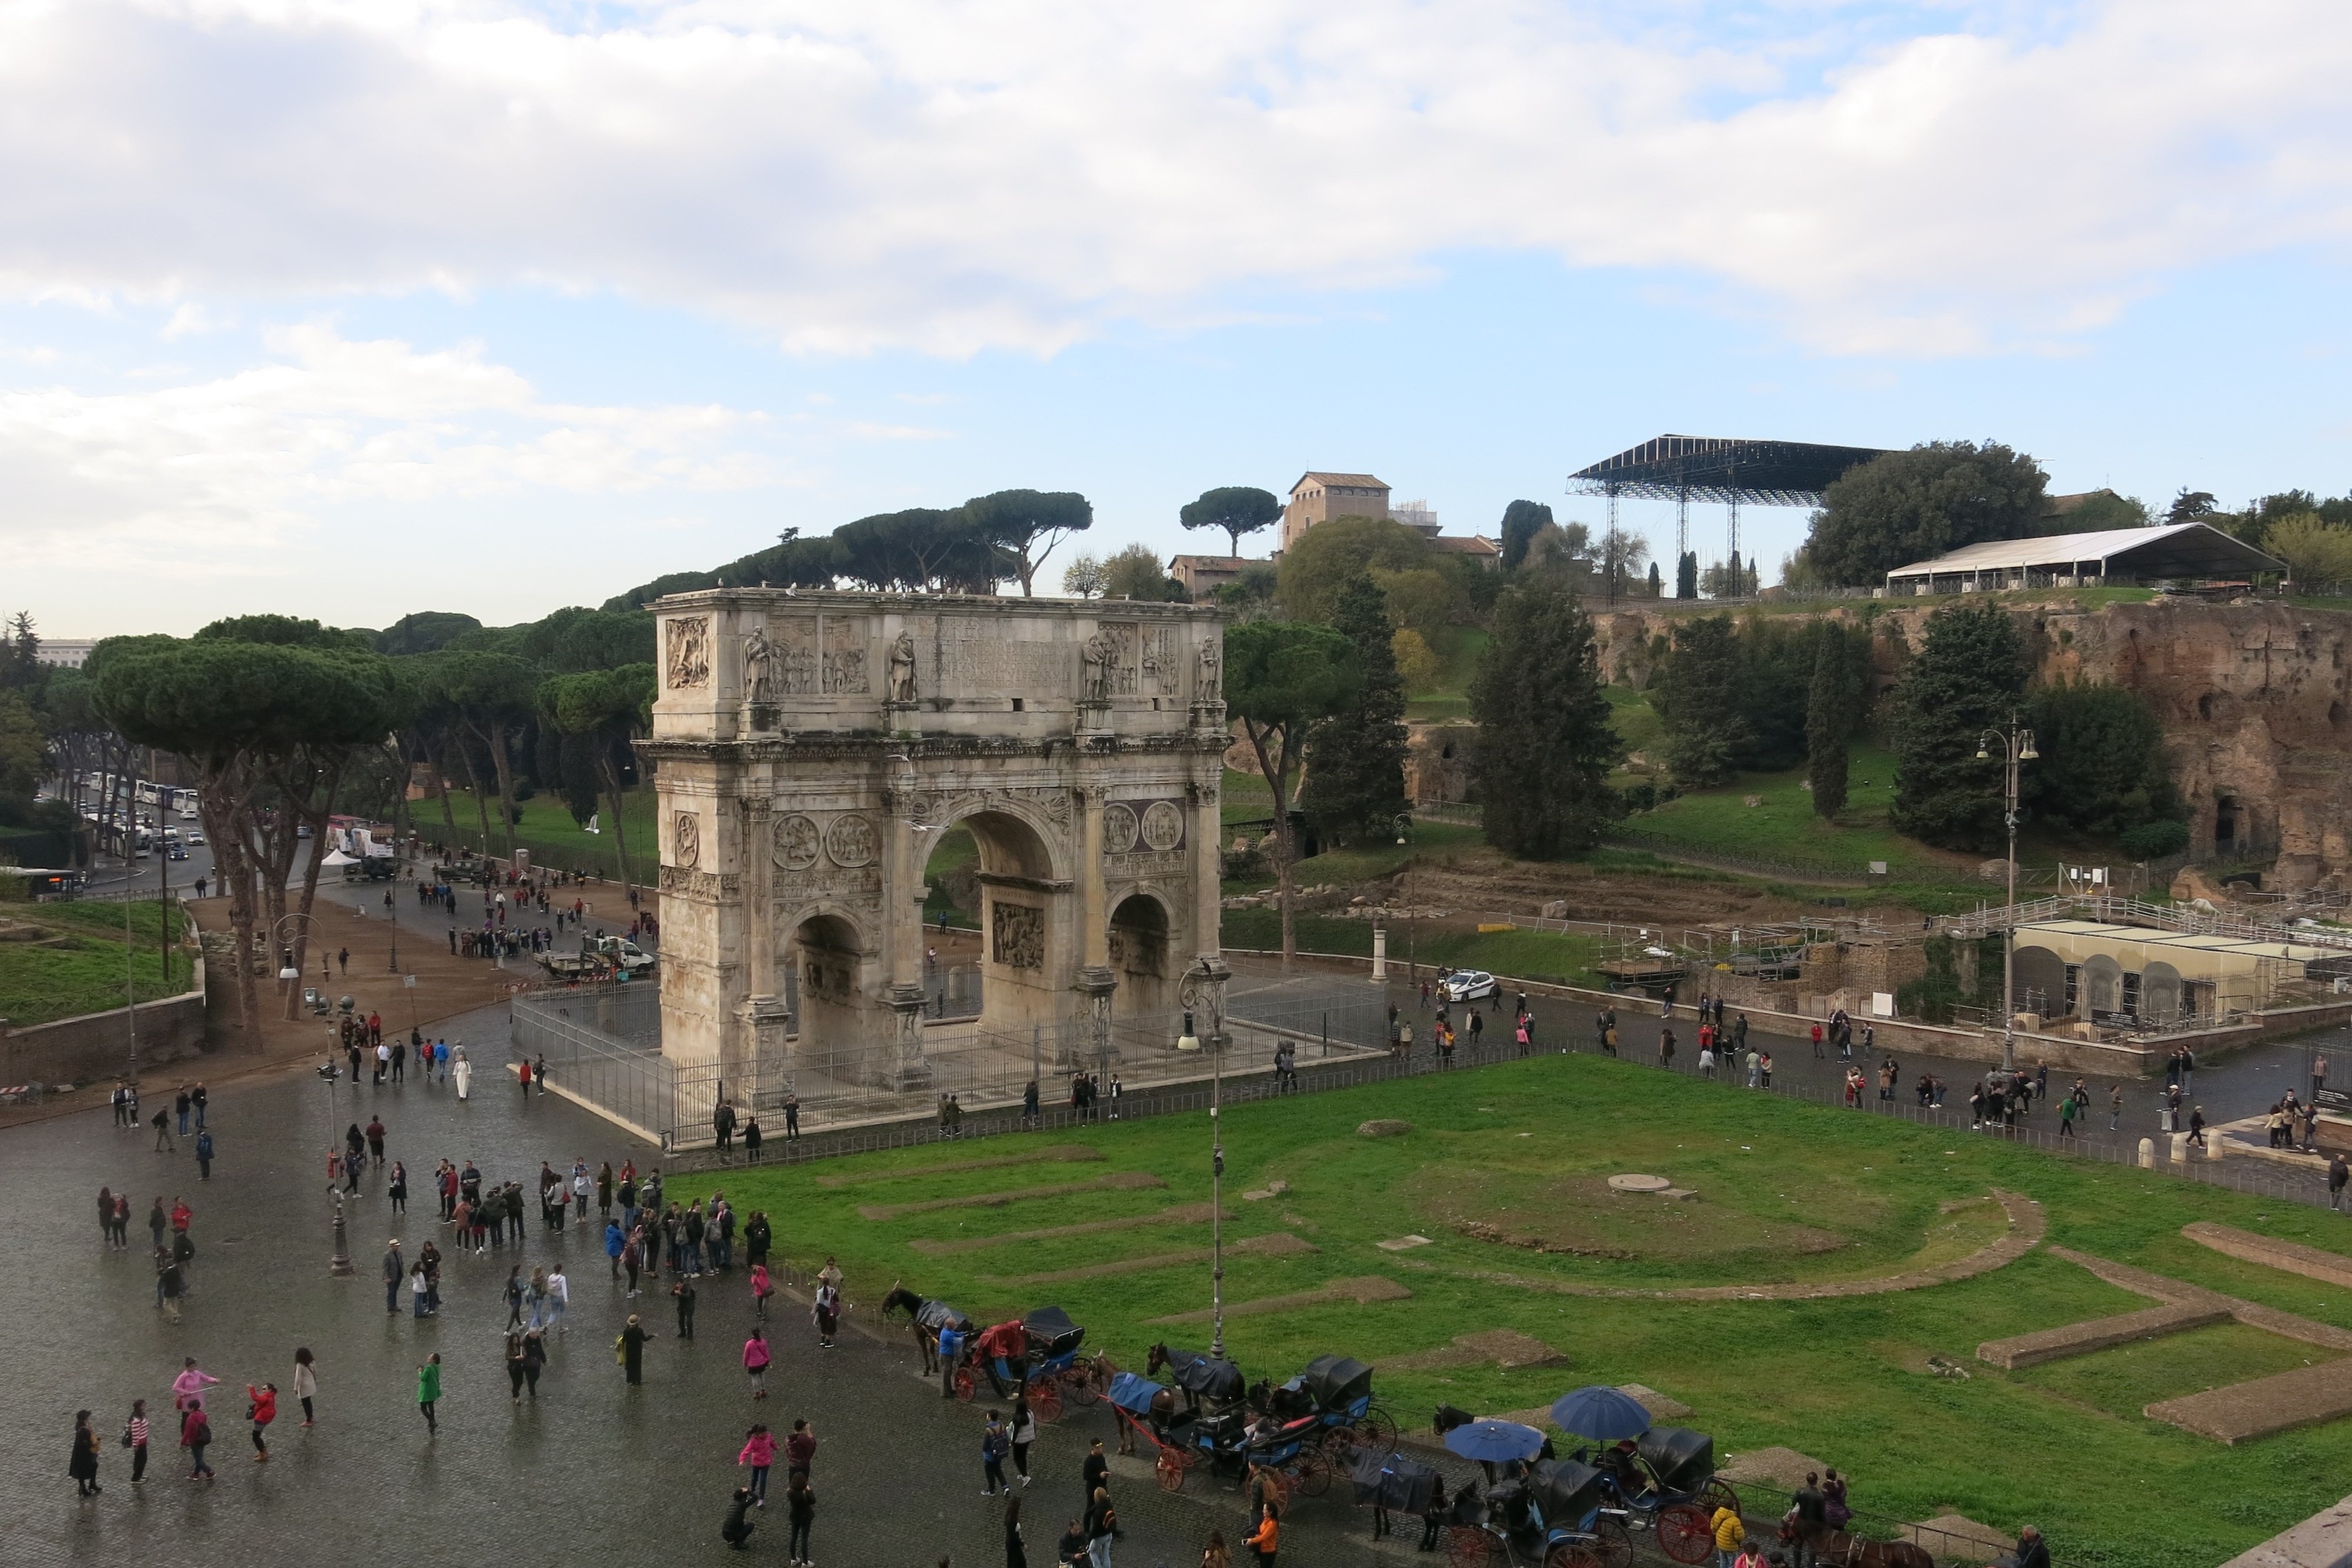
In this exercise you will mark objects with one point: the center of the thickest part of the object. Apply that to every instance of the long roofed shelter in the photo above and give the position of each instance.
(1728, 470)
(2167, 552)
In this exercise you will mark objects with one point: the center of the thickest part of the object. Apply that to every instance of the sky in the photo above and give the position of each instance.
(354, 308)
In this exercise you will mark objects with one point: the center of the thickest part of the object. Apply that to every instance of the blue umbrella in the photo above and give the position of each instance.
(1490, 1439)
(1601, 1413)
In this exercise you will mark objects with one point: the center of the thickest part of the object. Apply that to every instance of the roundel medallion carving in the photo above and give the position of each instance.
(1118, 829)
(850, 840)
(797, 842)
(1163, 826)
(686, 839)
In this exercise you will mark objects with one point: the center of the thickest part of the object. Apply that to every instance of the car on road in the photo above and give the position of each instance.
(1467, 985)
(178, 852)
(194, 839)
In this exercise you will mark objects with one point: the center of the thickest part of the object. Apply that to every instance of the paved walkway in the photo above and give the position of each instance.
(593, 1472)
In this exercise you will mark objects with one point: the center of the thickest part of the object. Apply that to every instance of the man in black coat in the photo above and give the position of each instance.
(1811, 1509)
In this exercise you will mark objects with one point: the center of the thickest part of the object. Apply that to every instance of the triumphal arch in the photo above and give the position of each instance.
(812, 748)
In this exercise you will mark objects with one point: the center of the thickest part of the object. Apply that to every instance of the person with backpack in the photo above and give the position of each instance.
(1102, 1528)
(994, 1443)
(195, 1433)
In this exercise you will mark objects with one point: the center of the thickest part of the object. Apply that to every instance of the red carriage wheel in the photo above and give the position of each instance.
(1045, 1402)
(1615, 1547)
(1717, 1494)
(1467, 1546)
(1683, 1533)
(1169, 1469)
(966, 1385)
(1571, 1554)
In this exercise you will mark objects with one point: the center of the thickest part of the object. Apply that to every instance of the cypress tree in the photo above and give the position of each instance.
(1545, 744)
(1969, 677)
(1686, 575)
(1355, 762)
(1699, 699)
(1830, 711)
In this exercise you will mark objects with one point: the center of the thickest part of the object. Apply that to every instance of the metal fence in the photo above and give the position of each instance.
(603, 1045)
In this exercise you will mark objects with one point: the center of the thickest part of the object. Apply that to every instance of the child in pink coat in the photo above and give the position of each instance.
(755, 1361)
(759, 1452)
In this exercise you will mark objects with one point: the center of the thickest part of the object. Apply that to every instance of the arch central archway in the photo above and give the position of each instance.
(827, 964)
(1141, 956)
(1025, 922)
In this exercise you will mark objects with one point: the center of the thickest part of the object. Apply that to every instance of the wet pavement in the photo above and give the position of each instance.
(589, 1465)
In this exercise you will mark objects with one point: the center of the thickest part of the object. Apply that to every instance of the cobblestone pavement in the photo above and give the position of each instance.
(589, 1465)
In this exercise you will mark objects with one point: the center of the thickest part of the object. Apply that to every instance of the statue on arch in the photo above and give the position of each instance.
(902, 669)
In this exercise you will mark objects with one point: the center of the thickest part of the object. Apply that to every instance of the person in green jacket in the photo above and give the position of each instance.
(428, 1390)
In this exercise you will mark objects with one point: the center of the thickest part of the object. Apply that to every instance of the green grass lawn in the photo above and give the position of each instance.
(1636, 722)
(1785, 828)
(1505, 1169)
(84, 972)
(547, 831)
(1522, 955)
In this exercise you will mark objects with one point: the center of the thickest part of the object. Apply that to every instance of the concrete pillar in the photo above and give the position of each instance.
(2214, 1144)
(2179, 1155)
(2147, 1153)
(1095, 981)
(910, 1068)
(1208, 871)
(1379, 955)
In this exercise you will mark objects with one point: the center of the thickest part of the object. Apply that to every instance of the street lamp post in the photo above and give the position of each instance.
(340, 1264)
(1404, 826)
(2017, 746)
(290, 971)
(1189, 1041)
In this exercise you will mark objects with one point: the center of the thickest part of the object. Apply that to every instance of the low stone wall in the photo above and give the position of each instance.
(97, 1046)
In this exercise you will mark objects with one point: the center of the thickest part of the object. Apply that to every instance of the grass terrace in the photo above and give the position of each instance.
(1505, 1170)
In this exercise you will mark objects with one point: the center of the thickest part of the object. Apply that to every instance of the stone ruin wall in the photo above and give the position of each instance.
(2255, 700)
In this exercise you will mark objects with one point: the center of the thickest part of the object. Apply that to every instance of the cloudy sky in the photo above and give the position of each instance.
(358, 307)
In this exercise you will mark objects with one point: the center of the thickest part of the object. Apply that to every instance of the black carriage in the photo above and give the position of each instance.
(1057, 1370)
(1667, 1483)
(1337, 1391)
(1556, 1513)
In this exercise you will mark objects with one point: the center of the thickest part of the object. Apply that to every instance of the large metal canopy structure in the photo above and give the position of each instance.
(2164, 550)
(1728, 472)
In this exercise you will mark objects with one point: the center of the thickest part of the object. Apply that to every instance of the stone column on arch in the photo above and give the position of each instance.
(902, 935)
(759, 1063)
(1095, 981)
(1208, 871)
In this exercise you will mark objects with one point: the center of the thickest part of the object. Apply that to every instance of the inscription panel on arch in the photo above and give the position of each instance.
(976, 664)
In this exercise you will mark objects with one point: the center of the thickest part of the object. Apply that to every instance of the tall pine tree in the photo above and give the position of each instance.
(1832, 707)
(1698, 696)
(1686, 575)
(1545, 744)
(1355, 762)
(1969, 678)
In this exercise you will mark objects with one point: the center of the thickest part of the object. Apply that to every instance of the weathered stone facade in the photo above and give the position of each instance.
(812, 748)
(2255, 699)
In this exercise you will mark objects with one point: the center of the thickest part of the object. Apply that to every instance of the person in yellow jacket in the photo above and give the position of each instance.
(1269, 1536)
(1730, 1535)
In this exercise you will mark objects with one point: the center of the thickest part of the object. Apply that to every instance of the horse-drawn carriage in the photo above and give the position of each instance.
(1666, 1483)
(1336, 1391)
(1055, 1369)
(1555, 1514)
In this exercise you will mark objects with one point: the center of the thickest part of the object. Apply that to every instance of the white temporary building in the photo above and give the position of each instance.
(2166, 551)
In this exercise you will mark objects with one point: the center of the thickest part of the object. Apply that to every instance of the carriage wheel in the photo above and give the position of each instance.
(1615, 1545)
(1046, 1403)
(1571, 1554)
(965, 1383)
(1081, 1386)
(1717, 1494)
(1314, 1473)
(1467, 1546)
(1683, 1533)
(1170, 1470)
(1377, 1430)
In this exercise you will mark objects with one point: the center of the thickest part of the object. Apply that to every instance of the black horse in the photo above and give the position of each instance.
(927, 1338)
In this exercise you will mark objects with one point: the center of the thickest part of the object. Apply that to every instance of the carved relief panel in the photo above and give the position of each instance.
(686, 840)
(1143, 838)
(1017, 934)
(846, 656)
(686, 663)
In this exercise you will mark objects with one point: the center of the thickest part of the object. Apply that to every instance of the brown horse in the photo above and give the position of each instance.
(901, 1299)
(1847, 1550)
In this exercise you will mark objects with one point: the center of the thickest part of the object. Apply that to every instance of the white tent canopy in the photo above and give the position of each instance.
(2168, 550)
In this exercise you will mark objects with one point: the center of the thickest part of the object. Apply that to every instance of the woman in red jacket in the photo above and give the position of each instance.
(264, 1411)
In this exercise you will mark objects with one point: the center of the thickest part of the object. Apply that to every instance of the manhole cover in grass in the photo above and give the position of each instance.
(1638, 1184)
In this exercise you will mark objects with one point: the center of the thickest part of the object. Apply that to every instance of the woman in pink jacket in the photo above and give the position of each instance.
(759, 1452)
(762, 1288)
(755, 1361)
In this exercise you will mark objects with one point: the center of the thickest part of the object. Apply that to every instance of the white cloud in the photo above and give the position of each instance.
(250, 459)
(961, 175)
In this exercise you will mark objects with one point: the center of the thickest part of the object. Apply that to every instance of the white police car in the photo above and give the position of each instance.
(1467, 985)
